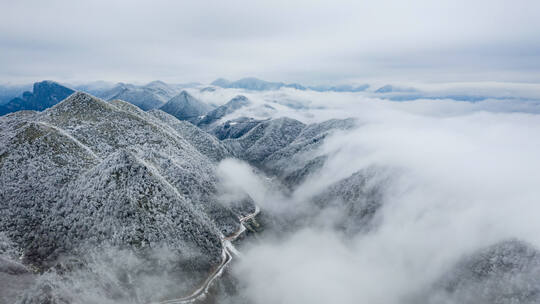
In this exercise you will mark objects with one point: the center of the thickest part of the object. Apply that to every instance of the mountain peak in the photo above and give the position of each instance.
(45, 94)
(221, 82)
(156, 82)
(215, 115)
(239, 97)
(185, 107)
(150, 96)
(46, 86)
(80, 97)
(183, 97)
(185, 94)
(79, 103)
(45, 82)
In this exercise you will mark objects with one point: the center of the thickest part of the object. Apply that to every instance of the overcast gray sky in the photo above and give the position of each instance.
(305, 41)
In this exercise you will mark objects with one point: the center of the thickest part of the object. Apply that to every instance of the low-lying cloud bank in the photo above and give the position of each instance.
(440, 100)
(457, 177)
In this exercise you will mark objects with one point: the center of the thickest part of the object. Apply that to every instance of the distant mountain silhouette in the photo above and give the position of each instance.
(45, 95)
(185, 107)
(255, 84)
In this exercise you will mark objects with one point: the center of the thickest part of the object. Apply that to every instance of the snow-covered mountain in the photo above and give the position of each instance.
(297, 160)
(126, 201)
(506, 272)
(265, 138)
(186, 107)
(161, 87)
(211, 118)
(204, 142)
(283, 147)
(150, 96)
(288, 150)
(234, 128)
(90, 173)
(45, 94)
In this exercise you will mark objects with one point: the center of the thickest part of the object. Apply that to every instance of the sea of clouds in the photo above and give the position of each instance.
(456, 177)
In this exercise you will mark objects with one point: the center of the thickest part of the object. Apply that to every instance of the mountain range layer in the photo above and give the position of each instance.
(89, 184)
(172, 98)
(251, 83)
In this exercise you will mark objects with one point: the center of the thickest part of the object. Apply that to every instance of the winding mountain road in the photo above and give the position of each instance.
(226, 254)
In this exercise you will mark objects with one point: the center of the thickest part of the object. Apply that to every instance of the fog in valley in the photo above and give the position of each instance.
(451, 183)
